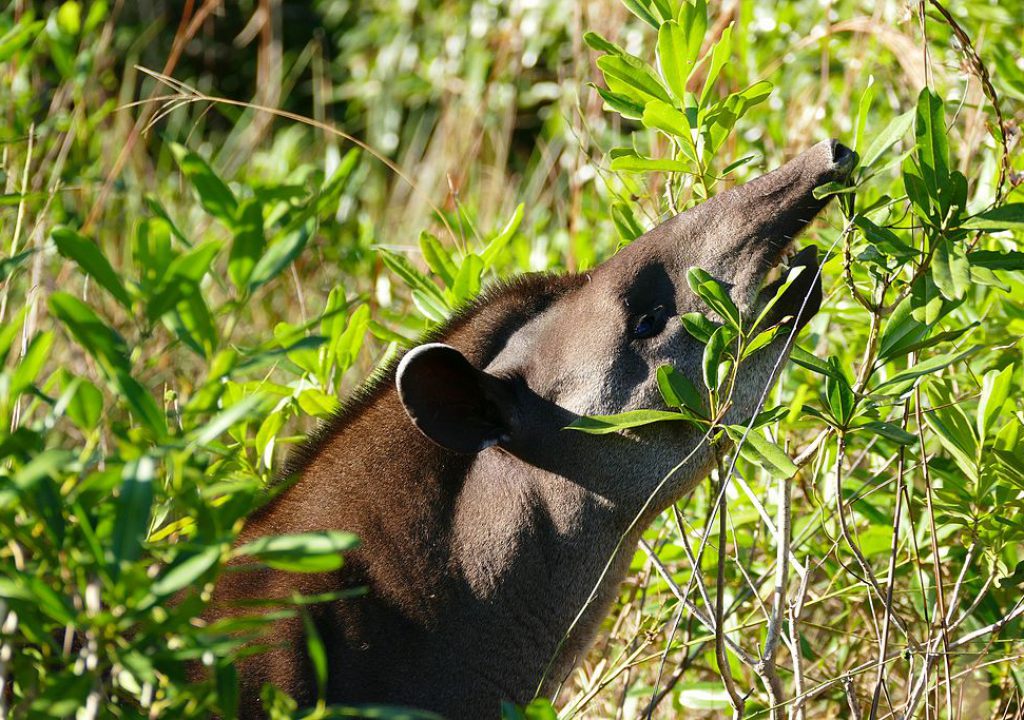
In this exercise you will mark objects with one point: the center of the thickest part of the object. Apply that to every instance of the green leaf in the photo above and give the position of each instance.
(995, 391)
(693, 18)
(954, 430)
(1004, 217)
(281, 252)
(499, 241)
(134, 502)
(467, 282)
(248, 244)
(196, 263)
(932, 145)
(640, 9)
(938, 338)
(9, 331)
(660, 115)
(86, 406)
(810, 361)
(181, 278)
(674, 58)
(698, 326)
(885, 240)
(917, 191)
(791, 276)
(165, 217)
(317, 403)
(629, 161)
(225, 419)
(714, 353)
(633, 77)
(601, 44)
(625, 222)
(950, 269)
(434, 309)
(719, 56)
(36, 354)
(351, 341)
(889, 136)
(330, 193)
(863, 106)
(927, 303)
(890, 432)
(840, 396)
(9, 264)
(69, 17)
(300, 552)
(186, 570)
(193, 323)
(142, 403)
(540, 709)
(622, 104)
(214, 195)
(679, 392)
(757, 449)
(1012, 260)
(831, 189)
(227, 688)
(18, 36)
(714, 294)
(662, 9)
(764, 339)
(94, 335)
(437, 258)
(400, 266)
(703, 696)
(604, 424)
(926, 367)
(92, 261)
(50, 602)
(315, 651)
(902, 330)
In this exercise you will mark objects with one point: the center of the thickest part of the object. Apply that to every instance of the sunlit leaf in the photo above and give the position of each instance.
(762, 452)
(889, 136)
(92, 261)
(134, 500)
(214, 194)
(604, 424)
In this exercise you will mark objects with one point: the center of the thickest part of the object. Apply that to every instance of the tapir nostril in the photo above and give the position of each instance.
(840, 153)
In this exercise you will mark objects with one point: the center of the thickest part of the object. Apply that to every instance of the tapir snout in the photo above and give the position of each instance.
(740, 235)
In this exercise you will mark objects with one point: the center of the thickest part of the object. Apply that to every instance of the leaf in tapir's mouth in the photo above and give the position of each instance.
(802, 299)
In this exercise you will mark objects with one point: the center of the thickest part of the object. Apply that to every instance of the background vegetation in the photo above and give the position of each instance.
(187, 284)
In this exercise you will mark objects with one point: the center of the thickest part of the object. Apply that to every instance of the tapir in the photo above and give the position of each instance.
(493, 539)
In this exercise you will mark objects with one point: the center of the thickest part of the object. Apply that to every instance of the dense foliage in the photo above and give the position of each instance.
(187, 283)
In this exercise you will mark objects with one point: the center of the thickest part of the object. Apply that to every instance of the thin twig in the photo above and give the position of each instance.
(736, 700)
(890, 579)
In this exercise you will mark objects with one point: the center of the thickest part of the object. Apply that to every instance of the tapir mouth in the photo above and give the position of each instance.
(802, 296)
(802, 299)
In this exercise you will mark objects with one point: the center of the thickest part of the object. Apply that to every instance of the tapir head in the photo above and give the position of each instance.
(596, 348)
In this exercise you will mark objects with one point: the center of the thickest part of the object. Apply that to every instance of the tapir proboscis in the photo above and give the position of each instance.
(486, 530)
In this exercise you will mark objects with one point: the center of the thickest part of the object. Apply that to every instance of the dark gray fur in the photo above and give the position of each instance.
(485, 526)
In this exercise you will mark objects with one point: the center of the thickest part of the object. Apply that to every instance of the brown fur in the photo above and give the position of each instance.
(403, 517)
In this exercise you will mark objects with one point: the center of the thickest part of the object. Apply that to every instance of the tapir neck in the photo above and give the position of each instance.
(541, 557)
(490, 559)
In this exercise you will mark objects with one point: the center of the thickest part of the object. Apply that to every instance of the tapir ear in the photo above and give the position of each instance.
(450, 401)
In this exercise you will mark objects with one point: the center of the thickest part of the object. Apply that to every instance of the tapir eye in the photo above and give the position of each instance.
(650, 324)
